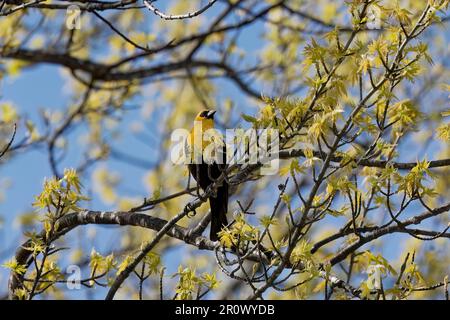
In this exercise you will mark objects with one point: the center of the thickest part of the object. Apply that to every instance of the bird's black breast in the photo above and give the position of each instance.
(205, 173)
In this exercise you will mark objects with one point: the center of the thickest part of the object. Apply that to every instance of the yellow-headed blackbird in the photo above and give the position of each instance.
(206, 171)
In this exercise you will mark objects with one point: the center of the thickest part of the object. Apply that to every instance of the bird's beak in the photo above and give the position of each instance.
(210, 114)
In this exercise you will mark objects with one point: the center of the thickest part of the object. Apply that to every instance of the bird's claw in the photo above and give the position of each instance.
(191, 213)
(190, 210)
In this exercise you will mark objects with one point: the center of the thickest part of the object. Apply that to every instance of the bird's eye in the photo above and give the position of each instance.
(204, 114)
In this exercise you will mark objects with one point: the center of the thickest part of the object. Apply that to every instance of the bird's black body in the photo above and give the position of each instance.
(205, 174)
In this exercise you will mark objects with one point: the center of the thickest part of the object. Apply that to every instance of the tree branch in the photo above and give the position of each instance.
(151, 7)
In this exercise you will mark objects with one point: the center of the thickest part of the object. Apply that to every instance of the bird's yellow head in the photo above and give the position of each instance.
(203, 121)
(205, 115)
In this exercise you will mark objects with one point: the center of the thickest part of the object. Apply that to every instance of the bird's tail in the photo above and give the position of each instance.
(219, 208)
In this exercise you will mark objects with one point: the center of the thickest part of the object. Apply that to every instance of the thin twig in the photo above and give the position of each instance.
(151, 7)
